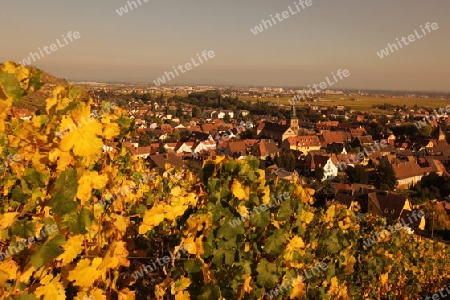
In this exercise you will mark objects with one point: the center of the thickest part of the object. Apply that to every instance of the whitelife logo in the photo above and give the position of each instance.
(321, 86)
(188, 66)
(124, 9)
(411, 38)
(53, 47)
(281, 17)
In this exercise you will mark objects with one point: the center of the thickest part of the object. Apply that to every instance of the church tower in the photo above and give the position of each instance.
(294, 121)
(441, 135)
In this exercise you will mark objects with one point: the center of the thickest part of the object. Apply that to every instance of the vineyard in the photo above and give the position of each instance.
(84, 221)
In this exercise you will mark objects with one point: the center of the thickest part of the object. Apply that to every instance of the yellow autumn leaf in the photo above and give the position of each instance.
(3, 278)
(218, 159)
(116, 256)
(63, 159)
(243, 211)
(110, 130)
(85, 273)
(51, 289)
(176, 210)
(246, 286)
(7, 220)
(83, 139)
(192, 245)
(72, 248)
(180, 285)
(120, 223)
(296, 244)
(176, 191)
(237, 190)
(89, 181)
(182, 296)
(334, 288)
(22, 73)
(266, 197)
(160, 291)
(384, 279)
(152, 218)
(10, 267)
(5, 106)
(58, 100)
(307, 217)
(298, 287)
(329, 216)
(126, 294)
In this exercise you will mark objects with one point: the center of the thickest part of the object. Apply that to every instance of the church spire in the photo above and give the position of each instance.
(441, 134)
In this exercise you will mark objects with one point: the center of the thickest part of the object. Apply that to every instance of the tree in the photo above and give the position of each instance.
(286, 161)
(197, 112)
(385, 177)
(436, 218)
(357, 175)
(161, 148)
(319, 173)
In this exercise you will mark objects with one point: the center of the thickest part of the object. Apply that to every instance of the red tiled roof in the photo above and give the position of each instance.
(304, 141)
(334, 137)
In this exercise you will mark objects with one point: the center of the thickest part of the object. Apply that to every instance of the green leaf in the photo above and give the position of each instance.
(267, 274)
(62, 201)
(50, 250)
(209, 292)
(193, 266)
(78, 222)
(24, 296)
(274, 244)
(261, 220)
(285, 211)
(332, 242)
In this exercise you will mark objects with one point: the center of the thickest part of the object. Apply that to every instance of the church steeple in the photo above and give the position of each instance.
(294, 121)
(441, 135)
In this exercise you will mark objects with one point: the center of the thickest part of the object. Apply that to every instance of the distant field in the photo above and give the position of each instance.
(364, 103)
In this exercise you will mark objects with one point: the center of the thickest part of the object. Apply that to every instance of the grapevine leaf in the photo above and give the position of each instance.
(267, 273)
(274, 244)
(62, 201)
(50, 250)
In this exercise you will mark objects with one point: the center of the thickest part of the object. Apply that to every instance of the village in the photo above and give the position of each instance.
(389, 165)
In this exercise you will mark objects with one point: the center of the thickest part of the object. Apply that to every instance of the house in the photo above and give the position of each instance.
(265, 149)
(21, 113)
(339, 137)
(135, 150)
(301, 143)
(185, 147)
(364, 141)
(210, 128)
(410, 171)
(236, 149)
(170, 147)
(355, 132)
(203, 146)
(327, 125)
(277, 132)
(159, 161)
(325, 162)
(386, 204)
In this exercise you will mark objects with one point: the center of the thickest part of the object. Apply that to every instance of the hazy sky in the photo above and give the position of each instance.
(303, 49)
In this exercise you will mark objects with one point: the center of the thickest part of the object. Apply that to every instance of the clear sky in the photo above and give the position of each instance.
(303, 49)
